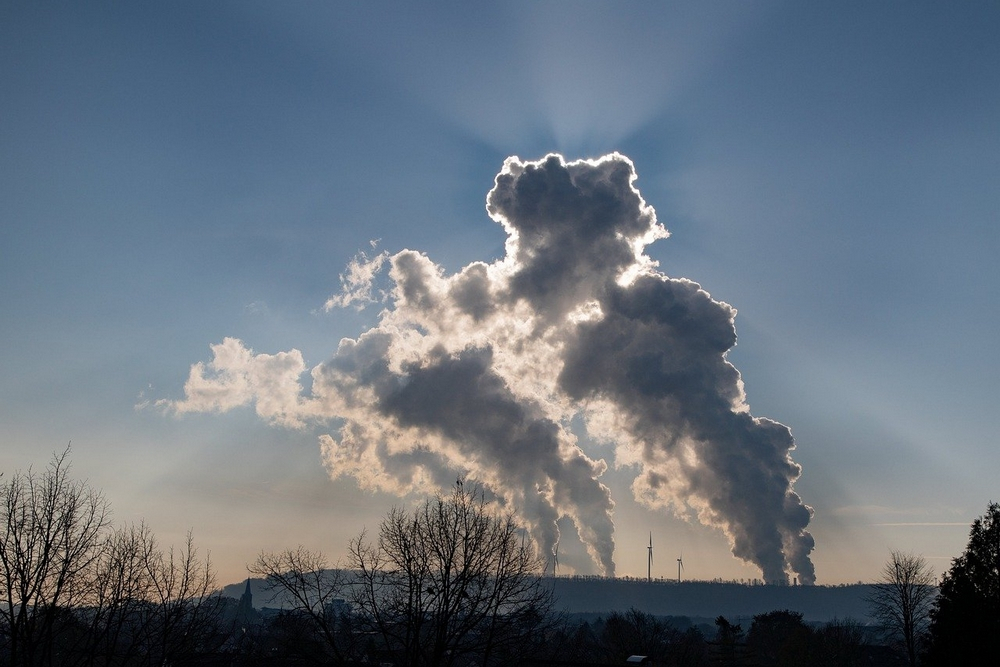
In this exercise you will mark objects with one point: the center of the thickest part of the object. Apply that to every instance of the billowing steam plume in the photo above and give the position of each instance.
(478, 375)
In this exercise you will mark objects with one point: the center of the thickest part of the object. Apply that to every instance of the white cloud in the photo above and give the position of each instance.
(236, 377)
(357, 282)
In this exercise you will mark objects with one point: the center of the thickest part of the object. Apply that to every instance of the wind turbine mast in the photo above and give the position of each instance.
(649, 560)
(680, 566)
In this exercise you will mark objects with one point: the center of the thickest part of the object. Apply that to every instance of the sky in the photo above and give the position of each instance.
(272, 268)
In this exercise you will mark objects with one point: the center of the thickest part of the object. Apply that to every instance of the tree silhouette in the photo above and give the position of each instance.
(451, 582)
(729, 638)
(316, 595)
(901, 601)
(965, 622)
(52, 531)
(636, 632)
(840, 643)
(779, 638)
(74, 590)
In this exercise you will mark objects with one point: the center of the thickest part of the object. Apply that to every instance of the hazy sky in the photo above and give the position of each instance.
(178, 174)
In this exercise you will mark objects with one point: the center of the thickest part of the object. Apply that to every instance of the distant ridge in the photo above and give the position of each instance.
(668, 598)
(711, 599)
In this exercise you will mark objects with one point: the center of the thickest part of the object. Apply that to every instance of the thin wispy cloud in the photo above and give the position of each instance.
(357, 282)
(963, 524)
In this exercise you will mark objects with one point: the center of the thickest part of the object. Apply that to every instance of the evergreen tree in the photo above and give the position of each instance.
(965, 622)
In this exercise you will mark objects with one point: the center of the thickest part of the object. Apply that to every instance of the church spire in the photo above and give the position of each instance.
(245, 613)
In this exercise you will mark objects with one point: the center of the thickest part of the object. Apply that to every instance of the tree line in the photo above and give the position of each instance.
(77, 590)
(952, 622)
(454, 582)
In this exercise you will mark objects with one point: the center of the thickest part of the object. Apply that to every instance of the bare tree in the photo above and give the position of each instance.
(313, 590)
(52, 532)
(840, 643)
(185, 604)
(902, 600)
(74, 590)
(452, 580)
(116, 610)
(636, 632)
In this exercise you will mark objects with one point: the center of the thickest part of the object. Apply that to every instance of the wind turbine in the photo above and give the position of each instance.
(649, 560)
(680, 566)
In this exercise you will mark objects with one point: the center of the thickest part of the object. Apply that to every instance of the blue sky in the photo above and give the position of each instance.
(177, 173)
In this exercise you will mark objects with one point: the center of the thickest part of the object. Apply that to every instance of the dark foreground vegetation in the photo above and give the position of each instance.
(451, 584)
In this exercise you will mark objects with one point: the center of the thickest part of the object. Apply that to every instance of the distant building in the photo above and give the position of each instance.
(338, 607)
(246, 615)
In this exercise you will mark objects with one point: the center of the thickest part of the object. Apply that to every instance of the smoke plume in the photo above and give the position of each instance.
(478, 375)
